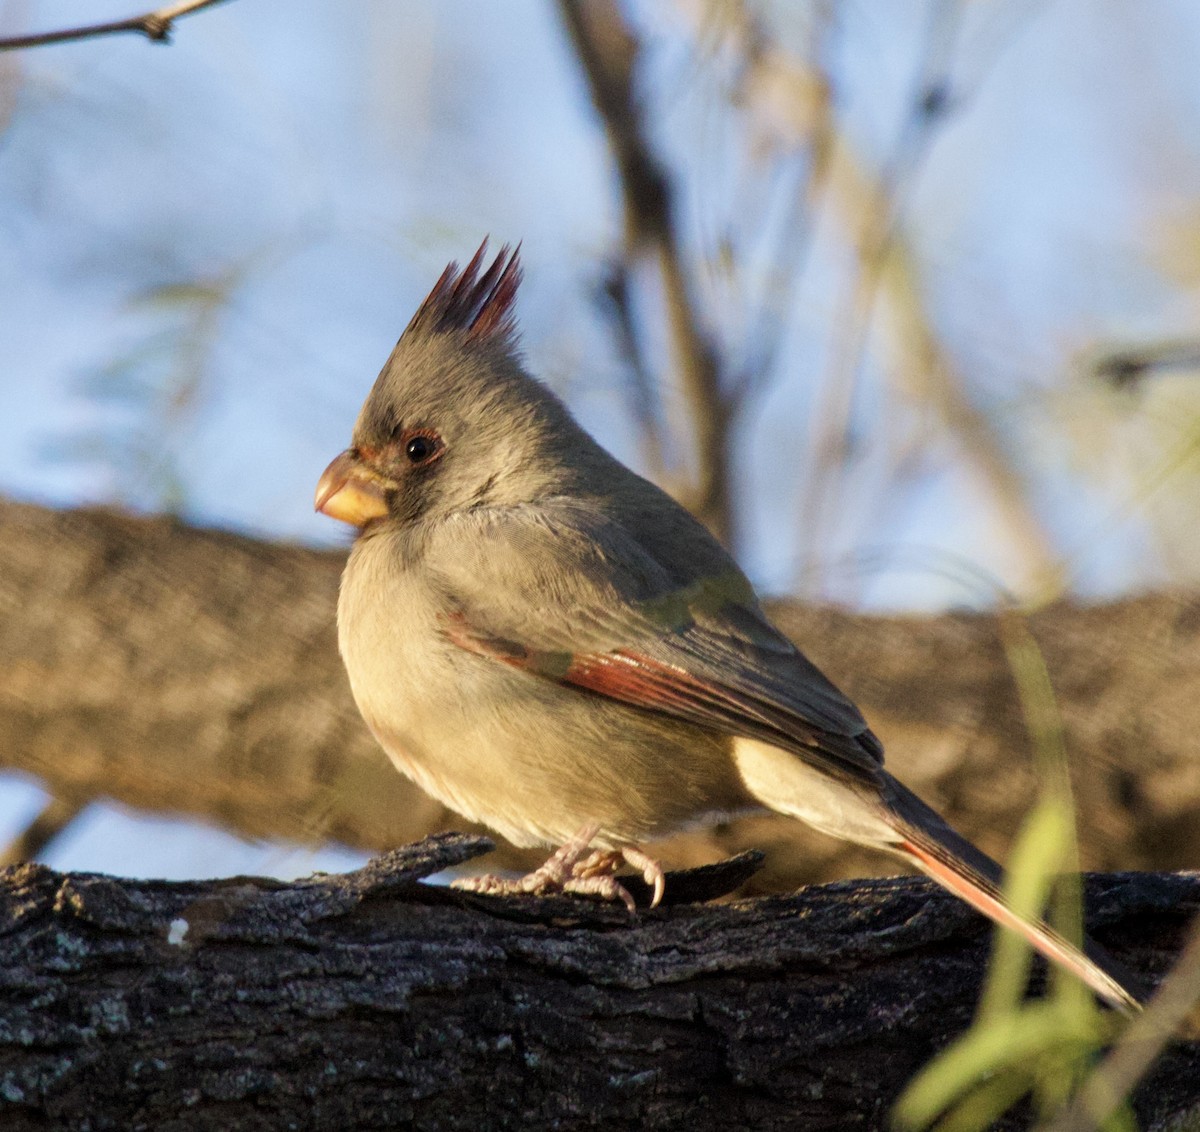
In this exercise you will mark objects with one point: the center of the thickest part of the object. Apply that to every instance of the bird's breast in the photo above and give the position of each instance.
(528, 757)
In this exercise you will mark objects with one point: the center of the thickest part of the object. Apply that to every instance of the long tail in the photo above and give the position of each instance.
(951, 860)
(885, 814)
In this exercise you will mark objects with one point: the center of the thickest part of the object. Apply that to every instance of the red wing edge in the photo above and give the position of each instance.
(649, 684)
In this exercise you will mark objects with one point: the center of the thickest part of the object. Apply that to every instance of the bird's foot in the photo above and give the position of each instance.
(575, 869)
(603, 863)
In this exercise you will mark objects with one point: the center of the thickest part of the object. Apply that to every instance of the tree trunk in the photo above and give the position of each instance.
(374, 1001)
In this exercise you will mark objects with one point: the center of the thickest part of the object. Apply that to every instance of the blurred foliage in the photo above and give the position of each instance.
(1043, 1048)
(149, 396)
(1016, 1048)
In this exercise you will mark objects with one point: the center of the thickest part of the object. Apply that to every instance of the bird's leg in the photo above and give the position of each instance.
(605, 862)
(558, 874)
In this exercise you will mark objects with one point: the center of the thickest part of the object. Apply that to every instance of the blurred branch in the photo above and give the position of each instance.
(607, 51)
(161, 381)
(767, 69)
(792, 97)
(889, 278)
(157, 26)
(196, 672)
(874, 226)
(54, 817)
(1126, 369)
(1169, 463)
(763, 340)
(644, 402)
(922, 368)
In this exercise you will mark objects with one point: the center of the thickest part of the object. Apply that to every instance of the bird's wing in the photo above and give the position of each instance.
(585, 604)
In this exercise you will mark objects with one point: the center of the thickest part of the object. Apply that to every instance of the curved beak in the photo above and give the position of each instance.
(349, 491)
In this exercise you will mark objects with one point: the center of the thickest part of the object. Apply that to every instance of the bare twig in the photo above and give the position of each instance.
(643, 400)
(762, 59)
(54, 817)
(922, 366)
(1127, 369)
(877, 229)
(607, 52)
(765, 336)
(156, 26)
(889, 277)
(887, 284)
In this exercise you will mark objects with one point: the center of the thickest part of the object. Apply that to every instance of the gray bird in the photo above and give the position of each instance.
(550, 645)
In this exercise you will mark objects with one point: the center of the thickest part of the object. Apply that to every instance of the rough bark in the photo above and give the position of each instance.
(196, 672)
(374, 1001)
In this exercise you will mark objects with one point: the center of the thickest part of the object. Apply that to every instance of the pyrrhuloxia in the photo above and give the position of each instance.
(550, 645)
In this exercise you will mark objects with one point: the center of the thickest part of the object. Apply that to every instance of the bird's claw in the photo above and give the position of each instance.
(605, 862)
(605, 887)
(651, 870)
(576, 870)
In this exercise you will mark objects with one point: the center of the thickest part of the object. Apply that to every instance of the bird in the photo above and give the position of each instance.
(553, 647)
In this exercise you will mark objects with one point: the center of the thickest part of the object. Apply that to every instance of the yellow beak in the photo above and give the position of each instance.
(349, 491)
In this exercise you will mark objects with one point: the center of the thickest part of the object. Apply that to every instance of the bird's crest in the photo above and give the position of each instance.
(480, 304)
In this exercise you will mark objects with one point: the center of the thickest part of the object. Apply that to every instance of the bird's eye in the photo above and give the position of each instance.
(421, 447)
(418, 449)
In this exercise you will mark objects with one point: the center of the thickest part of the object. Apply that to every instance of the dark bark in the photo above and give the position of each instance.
(373, 1001)
(196, 672)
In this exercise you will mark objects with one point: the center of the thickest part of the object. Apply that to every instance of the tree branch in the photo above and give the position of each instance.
(196, 672)
(1129, 368)
(607, 51)
(372, 1000)
(31, 842)
(156, 26)
(643, 395)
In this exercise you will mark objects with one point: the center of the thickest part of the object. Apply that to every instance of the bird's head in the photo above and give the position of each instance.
(453, 420)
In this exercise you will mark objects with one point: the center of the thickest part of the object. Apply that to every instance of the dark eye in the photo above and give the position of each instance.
(421, 448)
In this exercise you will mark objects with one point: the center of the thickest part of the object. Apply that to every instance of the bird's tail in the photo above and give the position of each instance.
(884, 814)
(926, 841)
